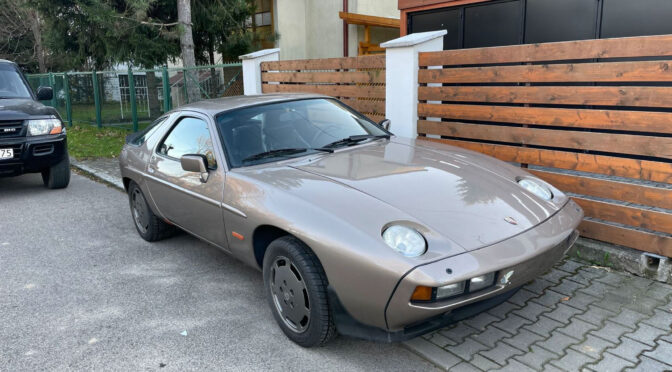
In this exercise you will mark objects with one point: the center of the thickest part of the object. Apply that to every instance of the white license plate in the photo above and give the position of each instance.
(6, 153)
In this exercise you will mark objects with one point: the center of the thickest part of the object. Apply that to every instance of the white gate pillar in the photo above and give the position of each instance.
(401, 79)
(252, 69)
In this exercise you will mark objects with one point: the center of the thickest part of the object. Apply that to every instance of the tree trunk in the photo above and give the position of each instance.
(187, 47)
(214, 81)
(37, 35)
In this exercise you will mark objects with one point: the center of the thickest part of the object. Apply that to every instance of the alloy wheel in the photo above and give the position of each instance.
(290, 294)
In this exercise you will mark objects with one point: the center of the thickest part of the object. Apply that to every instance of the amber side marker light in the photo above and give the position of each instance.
(422, 293)
(237, 236)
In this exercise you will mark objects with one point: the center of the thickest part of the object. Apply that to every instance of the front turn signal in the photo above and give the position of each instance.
(422, 293)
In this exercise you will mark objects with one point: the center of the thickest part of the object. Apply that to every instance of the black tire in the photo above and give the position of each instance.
(149, 226)
(303, 266)
(58, 175)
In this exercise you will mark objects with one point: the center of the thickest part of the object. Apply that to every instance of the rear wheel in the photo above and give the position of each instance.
(296, 290)
(58, 175)
(149, 226)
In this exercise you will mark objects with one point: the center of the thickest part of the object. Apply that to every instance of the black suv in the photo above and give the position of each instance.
(32, 135)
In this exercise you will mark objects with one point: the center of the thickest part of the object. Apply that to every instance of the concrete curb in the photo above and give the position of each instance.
(111, 180)
(648, 265)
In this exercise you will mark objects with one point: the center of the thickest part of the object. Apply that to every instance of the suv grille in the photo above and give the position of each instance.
(11, 128)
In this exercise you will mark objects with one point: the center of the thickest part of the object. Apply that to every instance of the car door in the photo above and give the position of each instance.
(181, 196)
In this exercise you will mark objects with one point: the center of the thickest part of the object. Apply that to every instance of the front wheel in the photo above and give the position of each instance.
(58, 175)
(296, 290)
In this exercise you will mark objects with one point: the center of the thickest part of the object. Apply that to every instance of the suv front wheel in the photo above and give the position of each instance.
(58, 175)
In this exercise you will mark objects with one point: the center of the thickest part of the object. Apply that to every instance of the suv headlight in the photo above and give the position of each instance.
(38, 127)
(536, 187)
(405, 240)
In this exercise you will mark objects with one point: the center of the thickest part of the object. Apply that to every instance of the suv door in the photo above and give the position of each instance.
(179, 195)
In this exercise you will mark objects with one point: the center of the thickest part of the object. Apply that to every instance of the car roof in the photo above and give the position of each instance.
(217, 105)
(6, 61)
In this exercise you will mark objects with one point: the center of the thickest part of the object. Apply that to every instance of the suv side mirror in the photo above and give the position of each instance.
(385, 123)
(45, 93)
(196, 163)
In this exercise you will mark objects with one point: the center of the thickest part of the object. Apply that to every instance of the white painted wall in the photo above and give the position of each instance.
(312, 28)
(401, 83)
(290, 23)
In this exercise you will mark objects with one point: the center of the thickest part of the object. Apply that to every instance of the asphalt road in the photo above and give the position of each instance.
(80, 290)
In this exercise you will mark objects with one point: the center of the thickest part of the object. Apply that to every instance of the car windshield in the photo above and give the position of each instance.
(11, 84)
(275, 131)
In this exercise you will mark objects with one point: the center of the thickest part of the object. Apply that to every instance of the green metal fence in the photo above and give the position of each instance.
(131, 97)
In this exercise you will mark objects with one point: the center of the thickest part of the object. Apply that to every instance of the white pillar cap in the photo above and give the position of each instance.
(413, 39)
(259, 53)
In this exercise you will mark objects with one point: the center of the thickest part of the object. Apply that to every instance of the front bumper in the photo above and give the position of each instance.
(32, 154)
(516, 261)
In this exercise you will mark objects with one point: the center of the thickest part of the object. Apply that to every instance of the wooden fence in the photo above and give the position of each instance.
(357, 81)
(592, 117)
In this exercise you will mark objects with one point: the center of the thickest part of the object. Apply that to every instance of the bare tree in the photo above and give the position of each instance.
(20, 34)
(191, 77)
(35, 25)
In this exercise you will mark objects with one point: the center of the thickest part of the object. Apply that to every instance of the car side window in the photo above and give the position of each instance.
(151, 128)
(189, 136)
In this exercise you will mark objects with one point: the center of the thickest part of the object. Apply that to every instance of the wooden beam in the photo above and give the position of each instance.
(639, 121)
(608, 189)
(606, 142)
(644, 241)
(640, 71)
(346, 63)
(367, 20)
(351, 77)
(626, 215)
(602, 164)
(640, 46)
(635, 96)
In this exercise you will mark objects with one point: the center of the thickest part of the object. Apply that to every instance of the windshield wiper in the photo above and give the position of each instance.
(353, 140)
(282, 152)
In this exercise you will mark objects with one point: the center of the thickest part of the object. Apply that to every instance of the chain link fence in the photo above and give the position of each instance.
(128, 98)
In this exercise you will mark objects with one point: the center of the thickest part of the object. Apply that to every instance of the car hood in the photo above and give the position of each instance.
(21, 109)
(469, 198)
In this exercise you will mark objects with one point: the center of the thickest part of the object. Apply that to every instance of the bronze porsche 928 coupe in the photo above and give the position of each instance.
(356, 231)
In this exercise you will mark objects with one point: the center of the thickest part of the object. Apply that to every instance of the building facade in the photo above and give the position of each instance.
(315, 29)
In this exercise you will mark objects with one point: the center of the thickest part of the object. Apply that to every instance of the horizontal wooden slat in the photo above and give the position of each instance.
(375, 117)
(574, 72)
(329, 90)
(626, 215)
(368, 20)
(556, 95)
(365, 105)
(608, 189)
(362, 77)
(639, 121)
(621, 167)
(641, 240)
(646, 46)
(606, 142)
(326, 64)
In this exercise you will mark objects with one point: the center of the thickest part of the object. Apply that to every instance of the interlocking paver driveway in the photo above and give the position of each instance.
(576, 317)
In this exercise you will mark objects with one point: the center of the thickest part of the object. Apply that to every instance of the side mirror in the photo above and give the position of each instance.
(196, 163)
(45, 93)
(385, 123)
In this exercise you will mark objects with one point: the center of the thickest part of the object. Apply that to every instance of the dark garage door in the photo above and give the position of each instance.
(507, 22)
